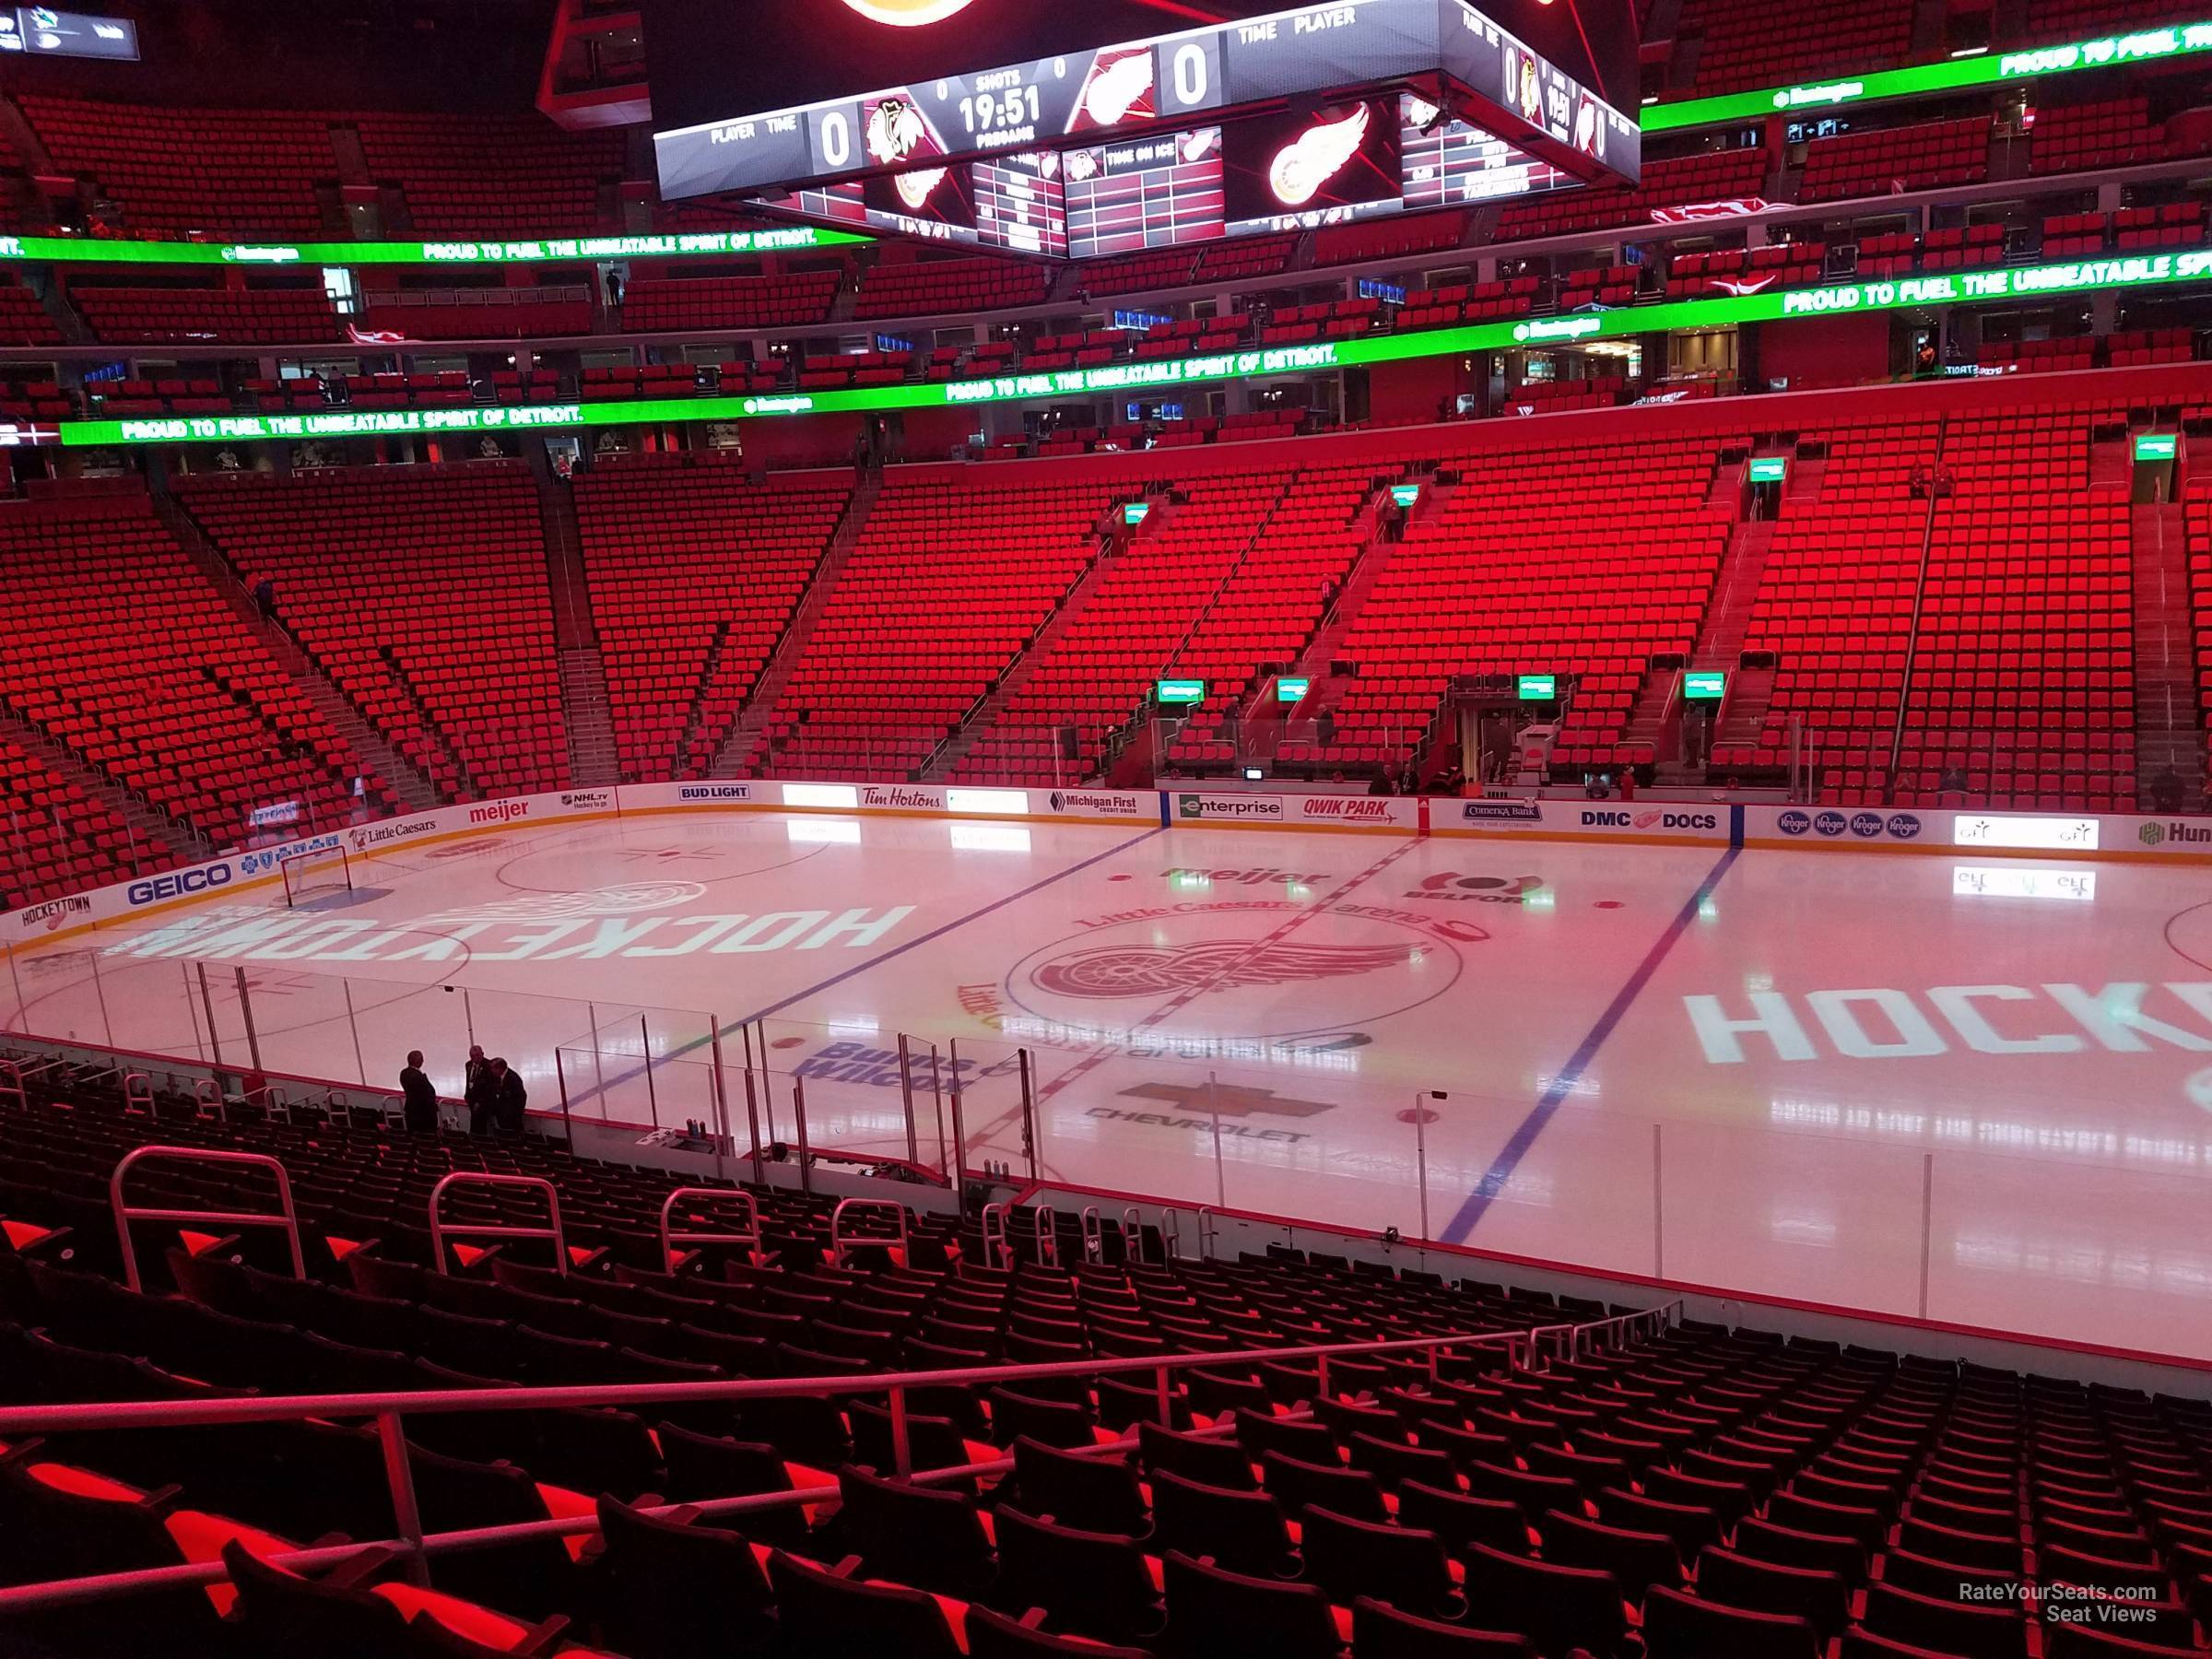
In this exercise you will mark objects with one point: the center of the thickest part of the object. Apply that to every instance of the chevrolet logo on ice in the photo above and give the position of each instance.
(1228, 1100)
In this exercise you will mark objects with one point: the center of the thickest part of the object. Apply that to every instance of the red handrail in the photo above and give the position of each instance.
(750, 1238)
(416, 1547)
(124, 1215)
(440, 1231)
(154, 1414)
(838, 1241)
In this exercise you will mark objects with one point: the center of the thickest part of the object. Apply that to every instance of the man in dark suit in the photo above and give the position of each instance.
(476, 1090)
(509, 1098)
(420, 1096)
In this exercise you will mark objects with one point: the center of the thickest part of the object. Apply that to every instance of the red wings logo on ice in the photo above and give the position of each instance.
(1222, 964)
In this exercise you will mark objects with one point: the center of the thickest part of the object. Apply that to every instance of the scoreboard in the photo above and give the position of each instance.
(1021, 205)
(1145, 192)
(1446, 163)
(1276, 70)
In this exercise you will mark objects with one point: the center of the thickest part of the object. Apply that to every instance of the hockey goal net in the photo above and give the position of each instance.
(311, 876)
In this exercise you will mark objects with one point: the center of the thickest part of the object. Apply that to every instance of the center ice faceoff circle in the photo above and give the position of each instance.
(1235, 969)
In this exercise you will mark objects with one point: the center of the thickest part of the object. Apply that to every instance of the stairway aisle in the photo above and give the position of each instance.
(408, 783)
(744, 736)
(2169, 732)
(587, 715)
(158, 838)
(985, 714)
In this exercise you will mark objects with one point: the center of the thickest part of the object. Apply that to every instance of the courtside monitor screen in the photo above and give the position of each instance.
(779, 94)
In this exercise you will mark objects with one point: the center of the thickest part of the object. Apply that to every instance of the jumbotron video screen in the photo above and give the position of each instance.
(1070, 131)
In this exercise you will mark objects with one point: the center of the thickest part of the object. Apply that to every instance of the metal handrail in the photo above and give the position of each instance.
(287, 1218)
(20, 1420)
(1094, 1234)
(11, 1083)
(137, 1093)
(836, 1238)
(416, 1547)
(1002, 1257)
(1133, 1234)
(440, 1232)
(750, 1238)
(1044, 1223)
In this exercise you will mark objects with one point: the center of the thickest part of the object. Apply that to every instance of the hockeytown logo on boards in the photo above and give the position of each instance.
(714, 792)
(1867, 825)
(53, 912)
(379, 835)
(1885, 1023)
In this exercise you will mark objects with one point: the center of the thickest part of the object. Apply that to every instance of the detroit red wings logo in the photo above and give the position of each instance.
(1216, 964)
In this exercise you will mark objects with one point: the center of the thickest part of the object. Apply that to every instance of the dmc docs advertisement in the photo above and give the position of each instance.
(1585, 819)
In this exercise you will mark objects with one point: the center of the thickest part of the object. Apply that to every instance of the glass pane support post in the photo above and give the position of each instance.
(246, 1008)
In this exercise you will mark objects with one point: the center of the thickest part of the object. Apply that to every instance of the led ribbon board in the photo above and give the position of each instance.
(1948, 287)
(81, 250)
(1918, 81)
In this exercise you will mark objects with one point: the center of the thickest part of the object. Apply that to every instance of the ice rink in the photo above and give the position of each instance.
(1976, 1088)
